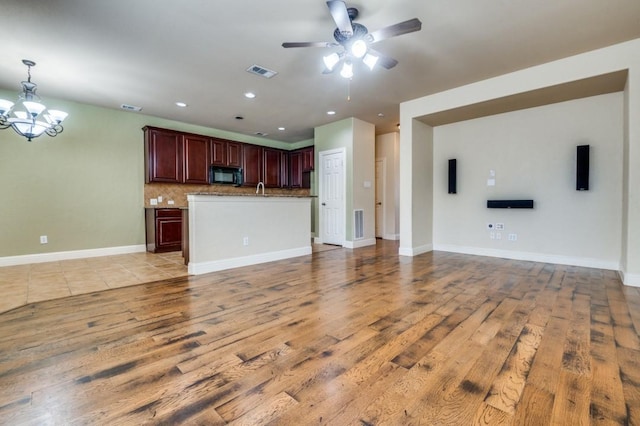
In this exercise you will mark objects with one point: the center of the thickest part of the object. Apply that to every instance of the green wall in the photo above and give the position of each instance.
(83, 188)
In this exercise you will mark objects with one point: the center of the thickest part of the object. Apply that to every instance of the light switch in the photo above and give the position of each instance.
(367, 184)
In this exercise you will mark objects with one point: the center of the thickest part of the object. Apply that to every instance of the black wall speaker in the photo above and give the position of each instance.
(452, 176)
(582, 168)
(510, 204)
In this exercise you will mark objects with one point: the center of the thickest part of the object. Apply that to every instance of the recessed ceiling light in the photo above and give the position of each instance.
(331, 113)
(281, 128)
(250, 95)
(380, 114)
(181, 104)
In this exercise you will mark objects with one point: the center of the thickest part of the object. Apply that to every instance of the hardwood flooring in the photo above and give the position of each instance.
(341, 337)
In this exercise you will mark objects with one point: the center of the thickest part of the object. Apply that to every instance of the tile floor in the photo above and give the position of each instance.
(35, 282)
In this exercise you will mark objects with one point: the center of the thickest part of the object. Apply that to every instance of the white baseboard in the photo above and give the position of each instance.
(68, 255)
(391, 236)
(632, 280)
(414, 251)
(359, 243)
(221, 265)
(533, 257)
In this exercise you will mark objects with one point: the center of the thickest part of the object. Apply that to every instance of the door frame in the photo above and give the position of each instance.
(321, 190)
(383, 219)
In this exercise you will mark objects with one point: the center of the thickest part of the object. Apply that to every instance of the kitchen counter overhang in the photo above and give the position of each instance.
(229, 231)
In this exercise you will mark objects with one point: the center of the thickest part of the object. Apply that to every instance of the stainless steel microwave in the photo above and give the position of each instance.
(225, 175)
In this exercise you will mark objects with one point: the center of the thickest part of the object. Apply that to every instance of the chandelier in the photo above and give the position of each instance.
(28, 116)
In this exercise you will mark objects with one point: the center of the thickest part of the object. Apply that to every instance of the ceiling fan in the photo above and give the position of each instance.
(356, 40)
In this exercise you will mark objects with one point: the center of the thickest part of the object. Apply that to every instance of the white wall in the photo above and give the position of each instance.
(357, 137)
(533, 153)
(624, 56)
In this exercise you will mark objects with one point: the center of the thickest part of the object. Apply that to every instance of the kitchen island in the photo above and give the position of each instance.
(229, 231)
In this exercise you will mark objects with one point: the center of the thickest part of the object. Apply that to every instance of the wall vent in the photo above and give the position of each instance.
(358, 224)
(261, 71)
(131, 107)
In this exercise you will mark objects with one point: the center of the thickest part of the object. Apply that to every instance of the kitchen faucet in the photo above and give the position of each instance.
(258, 187)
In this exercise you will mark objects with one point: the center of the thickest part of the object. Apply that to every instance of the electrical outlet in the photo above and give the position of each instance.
(160, 199)
(170, 202)
(498, 236)
(492, 235)
(245, 241)
(43, 239)
(513, 237)
(153, 201)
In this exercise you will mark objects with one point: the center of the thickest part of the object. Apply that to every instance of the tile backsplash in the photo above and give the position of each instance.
(178, 193)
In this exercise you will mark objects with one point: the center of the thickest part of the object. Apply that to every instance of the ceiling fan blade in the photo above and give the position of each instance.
(383, 60)
(395, 30)
(309, 44)
(340, 15)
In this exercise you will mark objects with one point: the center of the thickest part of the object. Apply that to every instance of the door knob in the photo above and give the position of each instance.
(324, 204)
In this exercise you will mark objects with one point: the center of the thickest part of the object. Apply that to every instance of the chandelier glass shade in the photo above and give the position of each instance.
(28, 116)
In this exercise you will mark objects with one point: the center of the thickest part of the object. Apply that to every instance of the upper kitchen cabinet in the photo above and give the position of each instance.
(272, 168)
(307, 159)
(252, 164)
(196, 159)
(163, 155)
(226, 153)
(175, 157)
(295, 169)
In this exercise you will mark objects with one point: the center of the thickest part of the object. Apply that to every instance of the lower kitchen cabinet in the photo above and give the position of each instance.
(164, 230)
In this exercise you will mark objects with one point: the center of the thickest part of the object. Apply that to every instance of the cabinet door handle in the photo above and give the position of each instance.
(324, 204)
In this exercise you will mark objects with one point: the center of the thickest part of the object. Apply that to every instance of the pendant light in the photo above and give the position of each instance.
(28, 116)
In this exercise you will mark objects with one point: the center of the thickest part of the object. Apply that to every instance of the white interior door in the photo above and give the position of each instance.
(380, 172)
(332, 197)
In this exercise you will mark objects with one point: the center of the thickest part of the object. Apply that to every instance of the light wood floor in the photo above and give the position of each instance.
(341, 337)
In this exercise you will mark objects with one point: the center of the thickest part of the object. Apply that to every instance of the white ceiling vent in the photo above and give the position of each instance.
(131, 107)
(261, 71)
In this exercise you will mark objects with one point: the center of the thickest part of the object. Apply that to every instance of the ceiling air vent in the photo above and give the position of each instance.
(131, 107)
(261, 71)
(261, 134)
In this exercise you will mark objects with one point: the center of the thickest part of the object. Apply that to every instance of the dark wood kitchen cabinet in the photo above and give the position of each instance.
(175, 157)
(196, 159)
(163, 155)
(308, 161)
(295, 169)
(163, 230)
(226, 153)
(252, 164)
(272, 170)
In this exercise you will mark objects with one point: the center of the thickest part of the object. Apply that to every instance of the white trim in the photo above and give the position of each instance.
(359, 243)
(391, 237)
(586, 262)
(383, 161)
(68, 255)
(415, 251)
(220, 265)
(632, 280)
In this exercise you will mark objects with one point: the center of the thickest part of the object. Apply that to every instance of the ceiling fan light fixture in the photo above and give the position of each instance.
(359, 48)
(347, 70)
(370, 60)
(331, 60)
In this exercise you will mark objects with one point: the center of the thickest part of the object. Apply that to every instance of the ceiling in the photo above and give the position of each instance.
(152, 53)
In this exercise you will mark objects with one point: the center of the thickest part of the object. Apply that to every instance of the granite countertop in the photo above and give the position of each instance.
(167, 207)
